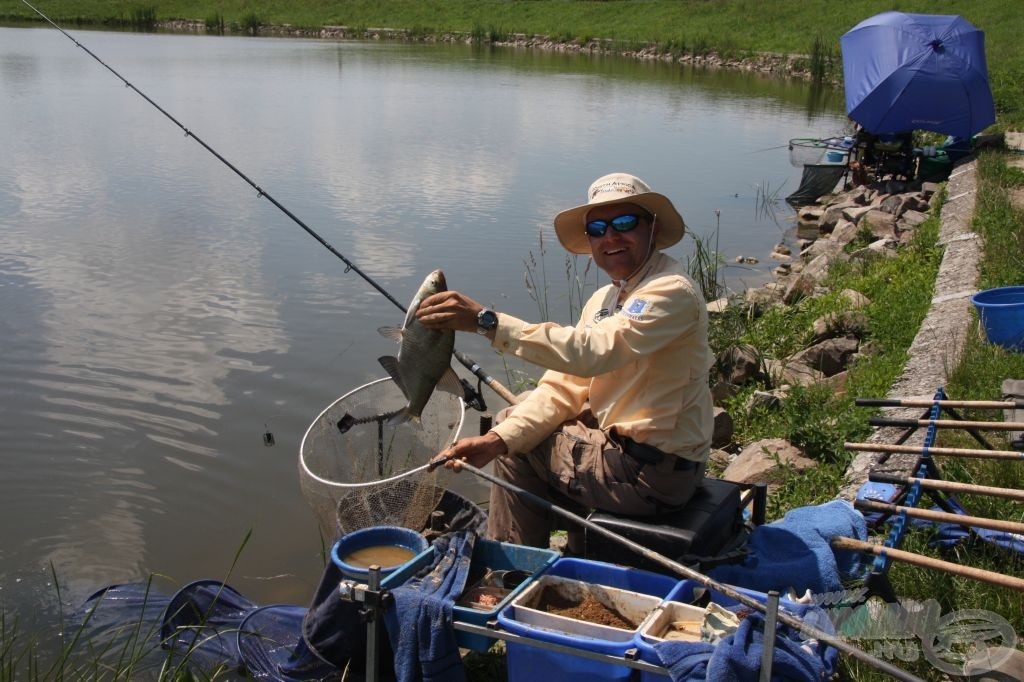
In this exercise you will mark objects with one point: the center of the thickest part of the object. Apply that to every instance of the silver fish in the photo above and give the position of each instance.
(424, 357)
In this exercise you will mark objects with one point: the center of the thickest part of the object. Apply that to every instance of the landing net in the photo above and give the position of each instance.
(805, 150)
(351, 461)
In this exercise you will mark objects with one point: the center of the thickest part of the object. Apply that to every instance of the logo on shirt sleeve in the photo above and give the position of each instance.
(636, 309)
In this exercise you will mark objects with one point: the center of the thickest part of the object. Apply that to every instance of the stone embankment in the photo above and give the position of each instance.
(884, 217)
(788, 65)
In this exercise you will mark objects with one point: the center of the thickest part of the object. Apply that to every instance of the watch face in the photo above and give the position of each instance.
(487, 319)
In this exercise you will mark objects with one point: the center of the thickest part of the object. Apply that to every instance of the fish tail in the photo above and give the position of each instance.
(403, 416)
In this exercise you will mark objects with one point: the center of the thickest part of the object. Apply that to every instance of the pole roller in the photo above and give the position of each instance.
(947, 424)
(942, 517)
(965, 404)
(950, 452)
(978, 574)
(949, 486)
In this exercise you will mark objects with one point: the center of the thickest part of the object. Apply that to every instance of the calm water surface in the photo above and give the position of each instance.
(158, 318)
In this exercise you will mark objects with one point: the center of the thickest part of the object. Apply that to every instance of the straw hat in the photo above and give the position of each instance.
(619, 188)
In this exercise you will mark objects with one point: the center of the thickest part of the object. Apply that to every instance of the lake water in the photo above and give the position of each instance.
(157, 318)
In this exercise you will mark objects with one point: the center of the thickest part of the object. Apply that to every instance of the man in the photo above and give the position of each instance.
(622, 419)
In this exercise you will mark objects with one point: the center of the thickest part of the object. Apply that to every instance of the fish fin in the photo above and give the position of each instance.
(403, 416)
(390, 365)
(450, 383)
(393, 333)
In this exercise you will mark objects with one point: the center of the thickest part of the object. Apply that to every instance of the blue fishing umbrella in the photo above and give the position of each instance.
(908, 72)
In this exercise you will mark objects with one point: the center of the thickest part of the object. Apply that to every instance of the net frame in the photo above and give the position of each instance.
(372, 473)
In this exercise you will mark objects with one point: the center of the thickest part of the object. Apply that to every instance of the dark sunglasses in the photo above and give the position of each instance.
(623, 223)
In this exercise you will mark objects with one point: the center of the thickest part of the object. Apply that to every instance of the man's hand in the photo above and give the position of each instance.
(478, 451)
(449, 310)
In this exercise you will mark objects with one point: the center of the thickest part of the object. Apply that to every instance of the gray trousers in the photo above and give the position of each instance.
(580, 468)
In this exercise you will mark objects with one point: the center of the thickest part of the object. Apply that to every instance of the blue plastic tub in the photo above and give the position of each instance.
(834, 156)
(1001, 312)
(488, 555)
(393, 536)
(689, 591)
(530, 663)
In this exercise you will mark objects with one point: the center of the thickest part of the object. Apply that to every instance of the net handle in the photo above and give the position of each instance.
(336, 484)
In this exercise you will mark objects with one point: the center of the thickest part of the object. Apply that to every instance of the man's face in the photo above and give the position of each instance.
(621, 253)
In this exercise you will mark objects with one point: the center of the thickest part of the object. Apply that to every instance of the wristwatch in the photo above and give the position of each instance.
(486, 320)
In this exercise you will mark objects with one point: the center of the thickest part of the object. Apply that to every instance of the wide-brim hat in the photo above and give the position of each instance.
(616, 188)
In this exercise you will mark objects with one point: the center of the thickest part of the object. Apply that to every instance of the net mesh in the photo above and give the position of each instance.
(804, 151)
(351, 460)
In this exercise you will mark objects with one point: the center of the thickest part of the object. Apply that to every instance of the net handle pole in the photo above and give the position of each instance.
(706, 581)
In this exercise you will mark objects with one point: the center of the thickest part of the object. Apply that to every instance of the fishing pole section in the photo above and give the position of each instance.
(472, 396)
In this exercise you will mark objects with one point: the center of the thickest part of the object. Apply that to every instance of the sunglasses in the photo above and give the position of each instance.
(623, 223)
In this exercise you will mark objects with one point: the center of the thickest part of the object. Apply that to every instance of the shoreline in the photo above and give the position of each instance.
(768, 63)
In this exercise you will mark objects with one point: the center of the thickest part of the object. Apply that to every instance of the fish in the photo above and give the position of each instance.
(423, 363)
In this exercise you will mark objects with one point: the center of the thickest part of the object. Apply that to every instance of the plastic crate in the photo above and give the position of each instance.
(488, 555)
(635, 590)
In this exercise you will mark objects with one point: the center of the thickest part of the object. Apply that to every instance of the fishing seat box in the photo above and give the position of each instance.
(709, 525)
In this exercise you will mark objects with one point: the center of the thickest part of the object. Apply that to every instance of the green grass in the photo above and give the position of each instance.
(734, 28)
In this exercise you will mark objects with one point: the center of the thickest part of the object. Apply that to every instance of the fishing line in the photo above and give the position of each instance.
(467, 362)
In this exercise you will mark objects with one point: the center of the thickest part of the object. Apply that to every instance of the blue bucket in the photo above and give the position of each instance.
(375, 536)
(834, 157)
(1001, 312)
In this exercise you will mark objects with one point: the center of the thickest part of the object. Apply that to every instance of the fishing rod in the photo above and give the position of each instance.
(466, 361)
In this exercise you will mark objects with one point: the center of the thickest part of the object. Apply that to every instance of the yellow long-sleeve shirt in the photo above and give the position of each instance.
(643, 366)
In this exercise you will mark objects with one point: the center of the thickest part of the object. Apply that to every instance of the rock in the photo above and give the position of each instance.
(772, 400)
(762, 298)
(722, 390)
(718, 306)
(810, 214)
(723, 431)
(846, 323)
(828, 357)
(882, 224)
(913, 218)
(782, 249)
(827, 247)
(845, 232)
(837, 383)
(855, 213)
(718, 460)
(833, 213)
(746, 260)
(789, 372)
(801, 286)
(807, 231)
(817, 269)
(739, 364)
(854, 299)
(758, 461)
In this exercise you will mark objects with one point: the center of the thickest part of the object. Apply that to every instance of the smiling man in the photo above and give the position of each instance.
(622, 419)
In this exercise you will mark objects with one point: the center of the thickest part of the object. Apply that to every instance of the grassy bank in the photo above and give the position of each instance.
(728, 27)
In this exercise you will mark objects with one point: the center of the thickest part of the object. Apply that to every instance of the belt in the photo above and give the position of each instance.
(648, 454)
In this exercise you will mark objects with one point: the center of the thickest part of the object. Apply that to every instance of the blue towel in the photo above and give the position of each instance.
(794, 552)
(420, 622)
(737, 658)
(685, 660)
